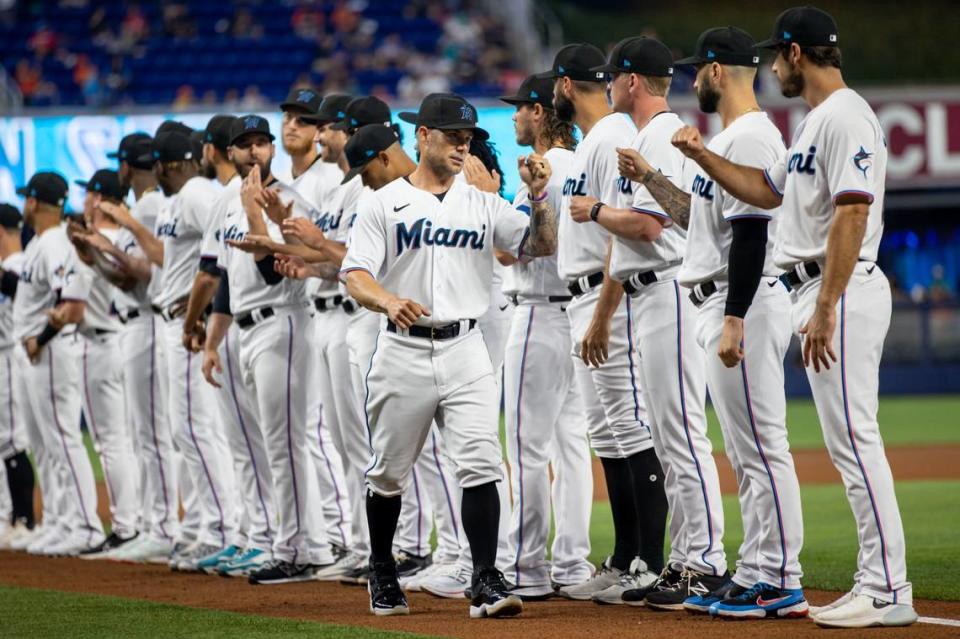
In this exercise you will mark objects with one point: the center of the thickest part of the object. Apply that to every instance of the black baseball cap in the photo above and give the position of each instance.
(133, 146)
(10, 217)
(364, 145)
(533, 90)
(639, 54)
(172, 125)
(447, 111)
(172, 146)
(805, 26)
(724, 45)
(217, 132)
(246, 124)
(332, 109)
(363, 111)
(577, 61)
(306, 100)
(105, 182)
(47, 187)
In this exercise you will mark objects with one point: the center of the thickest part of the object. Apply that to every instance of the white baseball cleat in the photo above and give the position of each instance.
(45, 538)
(863, 611)
(639, 577)
(25, 538)
(448, 581)
(607, 576)
(12, 533)
(343, 566)
(847, 597)
(411, 583)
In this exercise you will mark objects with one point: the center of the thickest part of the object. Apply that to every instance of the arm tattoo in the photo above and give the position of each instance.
(542, 240)
(674, 201)
(326, 270)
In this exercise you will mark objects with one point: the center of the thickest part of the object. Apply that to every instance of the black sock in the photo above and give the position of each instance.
(623, 506)
(480, 514)
(651, 506)
(382, 516)
(20, 482)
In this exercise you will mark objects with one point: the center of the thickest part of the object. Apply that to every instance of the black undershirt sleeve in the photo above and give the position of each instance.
(270, 276)
(209, 266)
(221, 301)
(748, 251)
(8, 283)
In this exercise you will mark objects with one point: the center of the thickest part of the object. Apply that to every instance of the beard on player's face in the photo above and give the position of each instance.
(707, 95)
(523, 125)
(791, 80)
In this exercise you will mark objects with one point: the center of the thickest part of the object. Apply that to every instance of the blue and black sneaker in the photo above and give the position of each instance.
(763, 601)
(244, 563)
(700, 604)
(212, 562)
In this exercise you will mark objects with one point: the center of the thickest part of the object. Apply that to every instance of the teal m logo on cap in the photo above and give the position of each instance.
(560, 69)
(251, 122)
(369, 152)
(534, 95)
(305, 96)
(711, 55)
(625, 64)
(786, 35)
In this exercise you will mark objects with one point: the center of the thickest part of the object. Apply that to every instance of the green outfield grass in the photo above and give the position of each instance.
(931, 518)
(30, 613)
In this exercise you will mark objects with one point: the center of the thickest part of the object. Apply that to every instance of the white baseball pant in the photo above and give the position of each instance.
(104, 410)
(846, 396)
(13, 432)
(673, 376)
(207, 482)
(546, 427)
(238, 412)
(53, 388)
(752, 409)
(275, 356)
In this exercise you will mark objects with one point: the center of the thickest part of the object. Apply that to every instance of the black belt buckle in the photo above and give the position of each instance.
(323, 304)
(432, 332)
(576, 289)
(632, 284)
(349, 307)
(246, 320)
(702, 291)
(793, 279)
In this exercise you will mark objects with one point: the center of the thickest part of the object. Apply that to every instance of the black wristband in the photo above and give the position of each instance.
(270, 276)
(595, 211)
(8, 283)
(221, 301)
(47, 334)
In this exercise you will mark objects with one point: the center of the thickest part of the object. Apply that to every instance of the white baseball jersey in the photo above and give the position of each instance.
(83, 284)
(333, 217)
(593, 171)
(636, 256)
(248, 290)
(838, 148)
(145, 210)
(210, 245)
(44, 274)
(437, 251)
(14, 264)
(314, 184)
(540, 277)
(181, 224)
(752, 140)
(355, 198)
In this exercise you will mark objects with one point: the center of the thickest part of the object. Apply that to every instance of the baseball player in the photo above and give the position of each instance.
(429, 238)
(644, 261)
(52, 379)
(275, 340)
(545, 419)
(131, 272)
(736, 288)
(86, 300)
(14, 441)
(208, 485)
(617, 422)
(829, 186)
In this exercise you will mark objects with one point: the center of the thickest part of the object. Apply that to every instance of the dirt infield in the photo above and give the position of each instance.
(348, 605)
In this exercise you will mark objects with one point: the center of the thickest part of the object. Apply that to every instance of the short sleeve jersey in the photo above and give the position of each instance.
(592, 171)
(180, 226)
(540, 277)
(46, 260)
(210, 245)
(751, 140)
(438, 252)
(145, 211)
(838, 148)
(336, 212)
(636, 256)
(14, 264)
(314, 184)
(248, 290)
(85, 285)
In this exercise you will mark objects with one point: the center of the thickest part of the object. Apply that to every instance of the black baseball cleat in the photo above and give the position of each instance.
(409, 564)
(111, 543)
(356, 576)
(690, 584)
(490, 596)
(668, 579)
(277, 571)
(386, 596)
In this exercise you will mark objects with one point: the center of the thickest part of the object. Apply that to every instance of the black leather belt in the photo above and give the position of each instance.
(553, 299)
(324, 304)
(432, 332)
(126, 317)
(585, 284)
(172, 312)
(249, 319)
(102, 331)
(803, 272)
(700, 292)
(633, 283)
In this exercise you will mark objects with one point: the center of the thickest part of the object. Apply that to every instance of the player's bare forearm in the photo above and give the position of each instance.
(745, 183)
(675, 201)
(367, 291)
(217, 327)
(201, 294)
(542, 240)
(324, 270)
(68, 312)
(505, 259)
(629, 224)
(611, 292)
(113, 272)
(843, 250)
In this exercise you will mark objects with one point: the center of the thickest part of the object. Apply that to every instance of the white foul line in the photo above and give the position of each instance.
(940, 622)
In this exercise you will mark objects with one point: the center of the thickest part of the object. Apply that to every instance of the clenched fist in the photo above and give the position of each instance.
(689, 141)
(535, 172)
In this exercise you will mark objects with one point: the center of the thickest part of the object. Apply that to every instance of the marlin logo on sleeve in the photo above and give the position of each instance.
(422, 232)
(862, 160)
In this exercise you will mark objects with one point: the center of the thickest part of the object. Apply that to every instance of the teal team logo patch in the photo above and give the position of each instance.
(862, 161)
